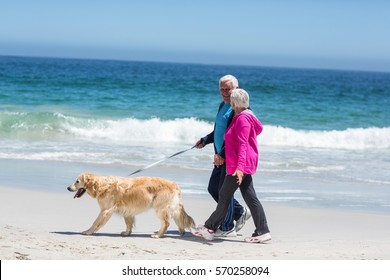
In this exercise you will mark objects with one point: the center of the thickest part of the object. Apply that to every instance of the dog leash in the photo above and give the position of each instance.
(157, 162)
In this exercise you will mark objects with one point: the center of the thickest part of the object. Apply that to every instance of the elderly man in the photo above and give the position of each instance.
(237, 215)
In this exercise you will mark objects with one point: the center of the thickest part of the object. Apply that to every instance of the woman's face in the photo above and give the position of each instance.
(233, 106)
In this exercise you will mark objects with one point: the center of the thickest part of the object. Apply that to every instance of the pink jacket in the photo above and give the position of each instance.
(241, 143)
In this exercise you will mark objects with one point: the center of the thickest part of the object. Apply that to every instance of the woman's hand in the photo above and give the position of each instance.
(239, 174)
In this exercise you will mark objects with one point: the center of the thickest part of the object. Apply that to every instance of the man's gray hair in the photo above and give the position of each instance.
(230, 78)
(240, 98)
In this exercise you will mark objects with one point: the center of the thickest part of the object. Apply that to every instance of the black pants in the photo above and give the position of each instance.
(235, 209)
(226, 193)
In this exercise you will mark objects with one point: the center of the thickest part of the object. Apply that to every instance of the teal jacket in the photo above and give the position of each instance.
(209, 138)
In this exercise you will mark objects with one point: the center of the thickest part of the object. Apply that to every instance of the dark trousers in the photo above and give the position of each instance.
(235, 209)
(226, 193)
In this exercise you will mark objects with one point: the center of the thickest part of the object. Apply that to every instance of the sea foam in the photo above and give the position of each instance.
(351, 138)
(188, 130)
(129, 131)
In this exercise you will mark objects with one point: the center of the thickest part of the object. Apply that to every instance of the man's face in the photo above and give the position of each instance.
(225, 89)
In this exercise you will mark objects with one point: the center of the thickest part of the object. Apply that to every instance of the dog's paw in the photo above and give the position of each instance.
(86, 232)
(155, 236)
(125, 233)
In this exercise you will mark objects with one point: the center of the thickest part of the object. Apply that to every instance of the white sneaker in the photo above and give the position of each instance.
(244, 217)
(195, 231)
(266, 237)
(207, 234)
(202, 231)
(228, 233)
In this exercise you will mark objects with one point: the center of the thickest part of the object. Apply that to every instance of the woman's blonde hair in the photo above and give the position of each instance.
(240, 98)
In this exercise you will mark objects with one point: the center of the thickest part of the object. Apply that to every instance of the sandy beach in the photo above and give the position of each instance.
(39, 225)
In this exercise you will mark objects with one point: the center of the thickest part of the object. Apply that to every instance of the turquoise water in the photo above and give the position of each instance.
(294, 98)
(321, 127)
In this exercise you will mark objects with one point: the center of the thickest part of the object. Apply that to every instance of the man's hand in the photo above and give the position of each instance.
(218, 160)
(200, 144)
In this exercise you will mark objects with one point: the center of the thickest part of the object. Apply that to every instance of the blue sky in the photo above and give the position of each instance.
(343, 34)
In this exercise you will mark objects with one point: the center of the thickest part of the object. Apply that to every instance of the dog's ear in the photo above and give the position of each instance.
(86, 179)
(94, 186)
(90, 183)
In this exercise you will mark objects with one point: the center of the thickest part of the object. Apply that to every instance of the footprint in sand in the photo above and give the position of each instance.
(21, 256)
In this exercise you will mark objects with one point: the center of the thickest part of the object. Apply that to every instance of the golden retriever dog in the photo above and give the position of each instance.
(131, 196)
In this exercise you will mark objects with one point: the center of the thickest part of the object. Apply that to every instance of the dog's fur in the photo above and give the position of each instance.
(131, 196)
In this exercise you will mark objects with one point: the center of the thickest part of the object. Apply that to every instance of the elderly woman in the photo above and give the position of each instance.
(241, 162)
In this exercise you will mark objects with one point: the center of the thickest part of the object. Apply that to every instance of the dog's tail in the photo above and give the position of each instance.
(182, 219)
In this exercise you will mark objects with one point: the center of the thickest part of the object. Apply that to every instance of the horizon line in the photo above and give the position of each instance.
(196, 63)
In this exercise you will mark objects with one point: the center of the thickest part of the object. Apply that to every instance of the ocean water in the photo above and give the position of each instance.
(326, 138)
